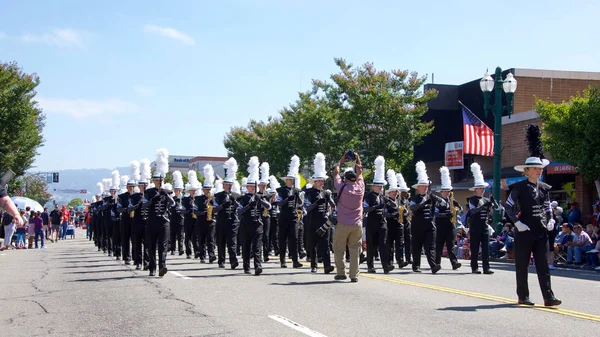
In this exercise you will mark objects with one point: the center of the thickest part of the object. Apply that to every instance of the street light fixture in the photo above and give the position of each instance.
(509, 86)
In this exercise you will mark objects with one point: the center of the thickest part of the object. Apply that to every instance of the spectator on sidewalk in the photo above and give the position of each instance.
(66, 215)
(55, 218)
(582, 244)
(21, 231)
(9, 228)
(574, 216)
(46, 220)
(39, 229)
(30, 230)
(503, 243)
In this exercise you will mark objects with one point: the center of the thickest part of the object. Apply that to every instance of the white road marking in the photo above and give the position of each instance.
(180, 275)
(296, 326)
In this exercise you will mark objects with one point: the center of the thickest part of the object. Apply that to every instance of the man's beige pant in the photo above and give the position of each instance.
(350, 235)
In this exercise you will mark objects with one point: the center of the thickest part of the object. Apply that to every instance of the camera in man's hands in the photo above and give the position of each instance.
(350, 155)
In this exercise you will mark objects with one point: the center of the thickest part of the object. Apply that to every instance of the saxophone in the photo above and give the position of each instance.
(401, 211)
(194, 216)
(299, 212)
(265, 213)
(453, 209)
(209, 209)
(132, 213)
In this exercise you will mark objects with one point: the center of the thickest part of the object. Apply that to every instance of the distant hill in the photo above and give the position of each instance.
(83, 179)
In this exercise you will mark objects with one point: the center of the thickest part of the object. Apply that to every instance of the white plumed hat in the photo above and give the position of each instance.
(145, 172)
(446, 182)
(478, 177)
(162, 164)
(99, 189)
(402, 183)
(293, 169)
(177, 180)
(115, 181)
(392, 180)
(135, 171)
(379, 174)
(319, 166)
(231, 167)
(124, 180)
(252, 171)
(422, 178)
(273, 184)
(209, 176)
(264, 173)
(193, 179)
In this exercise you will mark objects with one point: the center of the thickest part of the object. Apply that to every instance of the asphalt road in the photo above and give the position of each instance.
(70, 289)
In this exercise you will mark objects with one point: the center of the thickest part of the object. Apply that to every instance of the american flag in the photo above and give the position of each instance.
(478, 137)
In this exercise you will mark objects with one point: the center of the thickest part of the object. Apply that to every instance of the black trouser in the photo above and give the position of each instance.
(199, 245)
(266, 237)
(206, 237)
(274, 234)
(140, 252)
(537, 243)
(445, 235)
(423, 236)
(408, 241)
(395, 241)
(226, 234)
(107, 238)
(158, 233)
(116, 237)
(252, 241)
(177, 236)
(189, 225)
(376, 240)
(480, 237)
(288, 234)
(98, 224)
(317, 246)
(126, 226)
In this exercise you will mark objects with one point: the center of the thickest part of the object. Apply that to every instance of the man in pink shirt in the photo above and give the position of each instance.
(348, 231)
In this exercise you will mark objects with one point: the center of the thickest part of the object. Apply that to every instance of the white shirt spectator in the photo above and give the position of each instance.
(583, 237)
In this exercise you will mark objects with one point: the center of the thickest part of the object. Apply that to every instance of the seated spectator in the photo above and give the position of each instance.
(462, 242)
(502, 243)
(574, 216)
(595, 216)
(566, 235)
(581, 244)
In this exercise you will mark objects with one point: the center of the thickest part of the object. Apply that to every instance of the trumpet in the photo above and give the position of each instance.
(453, 209)
(209, 209)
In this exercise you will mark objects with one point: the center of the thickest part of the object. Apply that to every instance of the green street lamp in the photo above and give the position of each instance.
(509, 86)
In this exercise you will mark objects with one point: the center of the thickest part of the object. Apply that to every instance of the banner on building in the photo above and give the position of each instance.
(454, 156)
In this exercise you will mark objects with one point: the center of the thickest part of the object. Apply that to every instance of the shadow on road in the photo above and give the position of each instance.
(480, 307)
(568, 273)
(309, 283)
(108, 279)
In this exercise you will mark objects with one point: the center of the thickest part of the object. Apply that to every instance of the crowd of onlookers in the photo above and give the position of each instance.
(37, 228)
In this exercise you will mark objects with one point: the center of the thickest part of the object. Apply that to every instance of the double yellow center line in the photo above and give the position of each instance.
(564, 312)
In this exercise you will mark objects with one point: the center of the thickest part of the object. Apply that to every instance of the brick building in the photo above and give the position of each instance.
(445, 111)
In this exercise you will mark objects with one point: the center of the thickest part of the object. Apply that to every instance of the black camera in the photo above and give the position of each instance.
(350, 155)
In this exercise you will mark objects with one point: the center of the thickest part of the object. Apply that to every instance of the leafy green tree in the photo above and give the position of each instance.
(382, 110)
(31, 186)
(75, 202)
(21, 119)
(570, 132)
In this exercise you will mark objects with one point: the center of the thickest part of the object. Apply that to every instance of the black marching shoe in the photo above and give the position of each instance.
(456, 265)
(221, 265)
(162, 271)
(329, 269)
(127, 262)
(212, 259)
(297, 265)
(416, 270)
(476, 271)
(152, 273)
(354, 280)
(302, 255)
(371, 271)
(118, 258)
(181, 252)
(313, 270)
(488, 272)
(246, 271)
(283, 265)
(551, 302)
(436, 269)
(257, 271)
(188, 257)
(266, 259)
(403, 264)
(145, 268)
(110, 254)
(172, 252)
(235, 265)
(340, 277)
(202, 260)
(525, 301)
(138, 267)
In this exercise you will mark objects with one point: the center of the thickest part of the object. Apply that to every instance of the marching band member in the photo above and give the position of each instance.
(225, 206)
(528, 206)
(107, 221)
(140, 246)
(206, 219)
(177, 215)
(404, 202)
(376, 224)
(445, 221)
(265, 215)
(290, 205)
(480, 209)
(273, 216)
(115, 215)
(423, 228)
(189, 220)
(97, 218)
(395, 215)
(317, 202)
(251, 228)
(158, 203)
(126, 219)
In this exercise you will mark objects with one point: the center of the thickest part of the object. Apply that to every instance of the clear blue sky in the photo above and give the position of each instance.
(120, 79)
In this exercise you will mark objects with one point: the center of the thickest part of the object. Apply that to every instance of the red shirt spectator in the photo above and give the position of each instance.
(65, 214)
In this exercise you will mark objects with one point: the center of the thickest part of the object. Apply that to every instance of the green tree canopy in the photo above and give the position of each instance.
(75, 202)
(31, 186)
(21, 120)
(571, 132)
(363, 109)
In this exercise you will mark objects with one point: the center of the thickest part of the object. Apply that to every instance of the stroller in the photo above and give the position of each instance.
(71, 231)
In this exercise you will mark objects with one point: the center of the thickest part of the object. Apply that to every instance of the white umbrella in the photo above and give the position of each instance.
(23, 202)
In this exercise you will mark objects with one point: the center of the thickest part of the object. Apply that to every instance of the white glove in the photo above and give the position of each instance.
(550, 225)
(521, 227)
